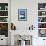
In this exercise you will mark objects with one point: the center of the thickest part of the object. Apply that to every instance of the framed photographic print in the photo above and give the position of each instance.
(22, 14)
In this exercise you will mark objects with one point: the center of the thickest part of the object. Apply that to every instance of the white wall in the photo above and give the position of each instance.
(31, 13)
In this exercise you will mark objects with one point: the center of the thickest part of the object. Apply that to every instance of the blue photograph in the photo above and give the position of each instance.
(22, 14)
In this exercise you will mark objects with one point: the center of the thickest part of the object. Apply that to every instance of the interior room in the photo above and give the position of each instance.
(22, 22)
